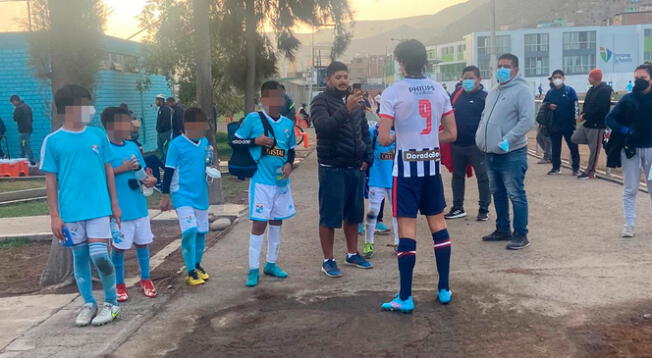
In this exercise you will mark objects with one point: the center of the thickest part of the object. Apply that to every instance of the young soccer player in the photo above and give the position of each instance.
(82, 198)
(270, 196)
(415, 106)
(380, 187)
(185, 180)
(126, 161)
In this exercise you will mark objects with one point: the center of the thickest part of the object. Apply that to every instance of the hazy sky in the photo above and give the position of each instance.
(123, 22)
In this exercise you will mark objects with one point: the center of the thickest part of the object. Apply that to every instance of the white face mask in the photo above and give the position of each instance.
(557, 82)
(87, 114)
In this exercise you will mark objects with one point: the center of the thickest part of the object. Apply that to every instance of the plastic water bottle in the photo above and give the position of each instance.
(67, 242)
(209, 155)
(116, 235)
(141, 175)
(211, 172)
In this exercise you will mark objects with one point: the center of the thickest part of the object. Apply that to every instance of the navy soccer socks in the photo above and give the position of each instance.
(442, 244)
(407, 257)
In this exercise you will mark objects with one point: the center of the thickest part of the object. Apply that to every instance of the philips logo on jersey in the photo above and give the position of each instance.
(423, 155)
(423, 89)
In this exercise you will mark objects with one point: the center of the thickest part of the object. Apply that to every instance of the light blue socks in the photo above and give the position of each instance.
(100, 257)
(142, 253)
(82, 267)
(200, 245)
(188, 248)
(118, 259)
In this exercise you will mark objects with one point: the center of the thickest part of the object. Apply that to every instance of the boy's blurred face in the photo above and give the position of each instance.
(272, 101)
(195, 130)
(120, 128)
(80, 114)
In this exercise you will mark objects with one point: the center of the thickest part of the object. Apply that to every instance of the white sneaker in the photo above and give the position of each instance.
(628, 231)
(108, 313)
(86, 314)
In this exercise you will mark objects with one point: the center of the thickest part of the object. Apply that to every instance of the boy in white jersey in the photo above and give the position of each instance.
(271, 141)
(415, 107)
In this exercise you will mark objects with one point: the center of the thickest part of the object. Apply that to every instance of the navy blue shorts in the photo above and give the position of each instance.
(413, 195)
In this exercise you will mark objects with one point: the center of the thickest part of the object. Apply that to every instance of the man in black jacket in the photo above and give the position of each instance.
(594, 112)
(468, 102)
(344, 153)
(23, 119)
(164, 125)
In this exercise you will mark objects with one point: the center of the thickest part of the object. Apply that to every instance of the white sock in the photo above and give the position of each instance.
(255, 245)
(372, 220)
(395, 229)
(273, 242)
(348, 254)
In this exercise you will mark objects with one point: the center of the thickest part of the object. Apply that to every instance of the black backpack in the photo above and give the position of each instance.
(242, 165)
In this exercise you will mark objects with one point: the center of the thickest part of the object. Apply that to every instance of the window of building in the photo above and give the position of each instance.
(647, 46)
(578, 64)
(503, 45)
(536, 66)
(451, 72)
(447, 53)
(579, 40)
(536, 43)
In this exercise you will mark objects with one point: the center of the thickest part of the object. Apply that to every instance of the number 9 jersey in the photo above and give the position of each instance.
(417, 106)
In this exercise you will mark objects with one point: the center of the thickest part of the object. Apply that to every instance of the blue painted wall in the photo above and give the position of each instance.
(112, 88)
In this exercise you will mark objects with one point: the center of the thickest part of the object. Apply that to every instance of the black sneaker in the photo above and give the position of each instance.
(576, 173)
(554, 172)
(585, 176)
(498, 236)
(455, 213)
(483, 215)
(518, 242)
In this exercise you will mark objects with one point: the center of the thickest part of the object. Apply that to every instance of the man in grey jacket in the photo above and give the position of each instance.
(502, 134)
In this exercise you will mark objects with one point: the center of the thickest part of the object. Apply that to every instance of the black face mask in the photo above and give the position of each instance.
(640, 85)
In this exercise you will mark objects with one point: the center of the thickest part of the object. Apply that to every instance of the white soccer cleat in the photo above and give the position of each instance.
(628, 231)
(108, 313)
(86, 314)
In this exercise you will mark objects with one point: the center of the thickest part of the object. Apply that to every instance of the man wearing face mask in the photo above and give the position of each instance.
(562, 101)
(502, 134)
(468, 101)
(344, 153)
(631, 118)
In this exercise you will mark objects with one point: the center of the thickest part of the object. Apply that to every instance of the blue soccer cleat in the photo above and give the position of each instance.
(358, 261)
(399, 305)
(330, 269)
(444, 296)
(252, 278)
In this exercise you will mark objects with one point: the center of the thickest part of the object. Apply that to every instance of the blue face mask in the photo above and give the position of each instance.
(503, 74)
(468, 85)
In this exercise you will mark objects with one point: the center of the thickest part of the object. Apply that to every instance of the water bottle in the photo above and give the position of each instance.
(116, 235)
(67, 242)
(141, 175)
(211, 172)
(209, 155)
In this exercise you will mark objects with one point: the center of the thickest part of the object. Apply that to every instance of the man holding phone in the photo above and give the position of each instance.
(344, 153)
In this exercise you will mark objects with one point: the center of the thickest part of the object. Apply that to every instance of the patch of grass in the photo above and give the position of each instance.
(13, 243)
(233, 188)
(30, 208)
(13, 185)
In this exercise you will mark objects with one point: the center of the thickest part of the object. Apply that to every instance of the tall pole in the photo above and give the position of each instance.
(251, 23)
(312, 62)
(492, 41)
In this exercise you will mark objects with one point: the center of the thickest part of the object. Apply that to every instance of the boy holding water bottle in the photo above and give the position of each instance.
(133, 184)
(271, 141)
(185, 181)
(82, 198)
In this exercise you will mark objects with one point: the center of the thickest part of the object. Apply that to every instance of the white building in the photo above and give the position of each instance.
(616, 50)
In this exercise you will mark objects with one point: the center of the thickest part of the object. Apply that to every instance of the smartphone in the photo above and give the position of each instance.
(357, 88)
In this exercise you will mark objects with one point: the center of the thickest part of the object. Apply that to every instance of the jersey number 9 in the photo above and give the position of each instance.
(425, 111)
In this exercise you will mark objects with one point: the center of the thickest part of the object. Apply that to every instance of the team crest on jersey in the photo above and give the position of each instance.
(259, 208)
(95, 148)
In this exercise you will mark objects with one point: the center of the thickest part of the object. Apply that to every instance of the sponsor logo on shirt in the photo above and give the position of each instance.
(274, 152)
(421, 155)
(387, 155)
(259, 208)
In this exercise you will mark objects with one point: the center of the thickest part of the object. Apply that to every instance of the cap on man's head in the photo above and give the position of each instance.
(596, 74)
(160, 96)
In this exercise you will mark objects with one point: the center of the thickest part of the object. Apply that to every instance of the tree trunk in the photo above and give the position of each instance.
(250, 36)
(59, 268)
(202, 39)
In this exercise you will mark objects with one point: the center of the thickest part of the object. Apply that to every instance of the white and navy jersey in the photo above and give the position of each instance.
(416, 105)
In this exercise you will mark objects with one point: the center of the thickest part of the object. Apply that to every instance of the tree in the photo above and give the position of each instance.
(66, 48)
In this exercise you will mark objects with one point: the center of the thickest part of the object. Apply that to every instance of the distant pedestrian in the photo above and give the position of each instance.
(562, 100)
(507, 119)
(468, 102)
(540, 89)
(177, 124)
(164, 124)
(23, 119)
(543, 134)
(592, 120)
(631, 118)
(3, 131)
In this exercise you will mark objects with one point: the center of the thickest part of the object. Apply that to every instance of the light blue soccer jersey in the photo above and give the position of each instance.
(380, 173)
(78, 160)
(189, 186)
(270, 165)
(132, 201)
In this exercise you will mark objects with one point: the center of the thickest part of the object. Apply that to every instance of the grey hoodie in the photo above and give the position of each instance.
(508, 115)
